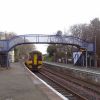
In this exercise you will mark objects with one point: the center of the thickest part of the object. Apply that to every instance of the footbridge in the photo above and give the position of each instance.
(7, 45)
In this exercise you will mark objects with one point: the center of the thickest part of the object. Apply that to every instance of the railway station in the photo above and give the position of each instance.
(22, 83)
(49, 50)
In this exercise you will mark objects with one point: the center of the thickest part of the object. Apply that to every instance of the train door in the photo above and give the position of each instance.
(35, 59)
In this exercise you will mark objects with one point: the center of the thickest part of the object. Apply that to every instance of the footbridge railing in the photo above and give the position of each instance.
(7, 45)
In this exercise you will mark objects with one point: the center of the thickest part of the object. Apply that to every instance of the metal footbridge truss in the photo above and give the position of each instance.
(7, 45)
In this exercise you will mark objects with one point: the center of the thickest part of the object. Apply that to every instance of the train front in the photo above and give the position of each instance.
(35, 61)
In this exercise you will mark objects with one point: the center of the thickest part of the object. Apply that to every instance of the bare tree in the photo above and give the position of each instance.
(95, 24)
(88, 32)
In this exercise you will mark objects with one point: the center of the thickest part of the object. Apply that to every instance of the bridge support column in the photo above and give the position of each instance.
(4, 60)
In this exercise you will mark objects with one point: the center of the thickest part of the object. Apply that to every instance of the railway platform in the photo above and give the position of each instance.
(17, 83)
(88, 74)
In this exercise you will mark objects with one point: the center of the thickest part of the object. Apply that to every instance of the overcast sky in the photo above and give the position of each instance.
(45, 16)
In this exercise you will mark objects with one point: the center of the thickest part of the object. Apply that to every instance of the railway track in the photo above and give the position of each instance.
(57, 86)
(70, 87)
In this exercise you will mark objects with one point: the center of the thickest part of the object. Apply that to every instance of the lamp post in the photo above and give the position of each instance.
(66, 57)
(95, 52)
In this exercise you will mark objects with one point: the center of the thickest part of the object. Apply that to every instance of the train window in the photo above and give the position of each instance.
(39, 57)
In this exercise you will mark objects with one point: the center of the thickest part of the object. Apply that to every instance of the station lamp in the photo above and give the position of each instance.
(82, 49)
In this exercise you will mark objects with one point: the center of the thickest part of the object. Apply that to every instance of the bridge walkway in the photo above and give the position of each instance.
(17, 83)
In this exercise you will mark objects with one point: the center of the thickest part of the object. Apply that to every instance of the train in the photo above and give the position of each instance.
(34, 61)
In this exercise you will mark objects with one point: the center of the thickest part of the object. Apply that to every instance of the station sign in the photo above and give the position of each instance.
(76, 56)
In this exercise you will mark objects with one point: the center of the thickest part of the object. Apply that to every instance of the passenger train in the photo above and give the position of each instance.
(34, 61)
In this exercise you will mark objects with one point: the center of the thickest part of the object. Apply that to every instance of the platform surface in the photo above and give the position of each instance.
(92, 70)
(16, 83)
